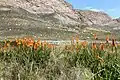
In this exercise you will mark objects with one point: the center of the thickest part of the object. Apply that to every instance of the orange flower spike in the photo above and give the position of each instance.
(5, 44)
(8, 44)
(35, 46)
(50, 46)
(16, 40)
(30, 42)
(95, 36)
(38, 42)
(27, 41)
(94, 46)
(19, 42)
(77, 38)
(101, 46)
(107, 38)
(77, 50)
(113, 43)
(84, 44)
(23, 42)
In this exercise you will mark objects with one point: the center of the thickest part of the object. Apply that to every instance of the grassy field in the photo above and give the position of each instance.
(26, 59)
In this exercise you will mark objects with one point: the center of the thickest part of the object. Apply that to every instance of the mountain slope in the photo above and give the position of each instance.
(64, 11)
(97, 18)
(49, 19)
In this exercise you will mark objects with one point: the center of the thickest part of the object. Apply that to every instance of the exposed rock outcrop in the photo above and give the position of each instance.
(37, 16)
(61, 10)
(92, 17)
(117, 20)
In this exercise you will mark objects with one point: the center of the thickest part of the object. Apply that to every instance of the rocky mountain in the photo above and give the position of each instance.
(117, 20)
(57, 9)
(92, 17)
(47, 18)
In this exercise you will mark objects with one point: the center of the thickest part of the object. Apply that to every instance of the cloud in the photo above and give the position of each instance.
(87, 7)
(94, 9)
(111, 10)
(97, 10)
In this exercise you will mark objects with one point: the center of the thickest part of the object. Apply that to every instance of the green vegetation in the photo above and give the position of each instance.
(80, 61)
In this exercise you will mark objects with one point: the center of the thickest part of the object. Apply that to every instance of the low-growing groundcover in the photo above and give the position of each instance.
(78, 61)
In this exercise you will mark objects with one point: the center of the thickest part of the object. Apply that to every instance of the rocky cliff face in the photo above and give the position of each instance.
(117, 20)
(46, 16)
(62, 11)
(92, 17)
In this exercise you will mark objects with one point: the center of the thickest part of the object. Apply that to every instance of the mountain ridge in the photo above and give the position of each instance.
(57, 6)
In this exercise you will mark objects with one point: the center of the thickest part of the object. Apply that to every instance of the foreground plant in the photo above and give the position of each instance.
(30, 59)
